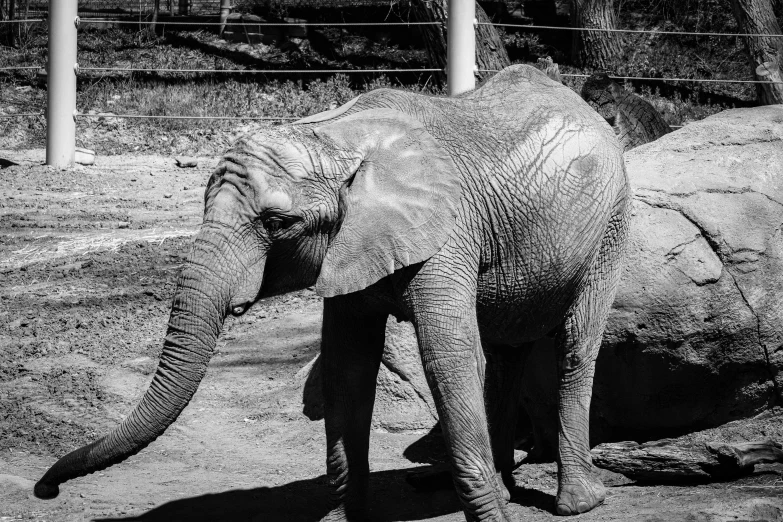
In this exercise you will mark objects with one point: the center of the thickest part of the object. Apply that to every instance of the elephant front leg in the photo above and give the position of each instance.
(449, 343)
(351, 349)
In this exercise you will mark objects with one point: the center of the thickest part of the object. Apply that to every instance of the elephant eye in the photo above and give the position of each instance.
(272, 224)
(277, 222)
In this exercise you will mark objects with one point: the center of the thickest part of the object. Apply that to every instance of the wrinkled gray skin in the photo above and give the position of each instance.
(488, 220)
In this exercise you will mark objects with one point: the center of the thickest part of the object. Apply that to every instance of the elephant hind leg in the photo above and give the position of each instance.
(351, 348)
(578, 340)
(579, 489)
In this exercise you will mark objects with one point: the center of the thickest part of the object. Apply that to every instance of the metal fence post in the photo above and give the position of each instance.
(61, 83)
(461, 48)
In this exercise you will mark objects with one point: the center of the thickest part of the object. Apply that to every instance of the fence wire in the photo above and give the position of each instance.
(656, 78)
(174, 117)
(256, 71)
(261, 24)
(21, 115)
(635, 31)
(29, 20)
(21, 67)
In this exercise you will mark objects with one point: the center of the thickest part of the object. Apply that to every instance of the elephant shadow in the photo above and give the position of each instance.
(391, 500)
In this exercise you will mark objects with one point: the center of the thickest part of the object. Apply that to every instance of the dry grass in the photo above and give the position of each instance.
(50, 246)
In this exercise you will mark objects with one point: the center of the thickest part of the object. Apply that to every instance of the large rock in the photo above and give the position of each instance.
(695, 337)
(403, 402)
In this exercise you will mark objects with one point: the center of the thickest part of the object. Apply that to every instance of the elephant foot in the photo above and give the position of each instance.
(500, 514)
(579, 495)
(434, 478)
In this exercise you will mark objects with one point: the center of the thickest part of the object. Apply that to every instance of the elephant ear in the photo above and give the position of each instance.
(398, 207)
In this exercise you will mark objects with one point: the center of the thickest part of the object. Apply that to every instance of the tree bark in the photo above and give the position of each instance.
(155, 14)
(756, 17)
(672, 461)
(12, 27)
(490, 52)
(596, 49)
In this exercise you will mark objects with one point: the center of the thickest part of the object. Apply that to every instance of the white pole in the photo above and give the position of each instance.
(461, 48)
(61, 89)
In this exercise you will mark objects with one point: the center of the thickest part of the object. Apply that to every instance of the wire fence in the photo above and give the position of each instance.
(184, 7)
(258, 71)
(630, 31)
(133, 7)
(261, 24)
(98, 5)
(527, 27)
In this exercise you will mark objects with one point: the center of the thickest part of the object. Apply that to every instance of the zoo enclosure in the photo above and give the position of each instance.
(62, 67)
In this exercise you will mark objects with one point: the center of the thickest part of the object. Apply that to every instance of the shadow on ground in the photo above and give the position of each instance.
(4, 163)
(304, 501)
(391, 500)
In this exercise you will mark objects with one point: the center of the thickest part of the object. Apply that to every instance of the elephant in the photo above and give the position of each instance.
(488, 220)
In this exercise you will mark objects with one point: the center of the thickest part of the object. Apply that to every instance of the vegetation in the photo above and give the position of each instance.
(102, 95)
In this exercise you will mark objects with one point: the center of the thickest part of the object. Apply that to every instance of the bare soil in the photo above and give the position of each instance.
(88, 262)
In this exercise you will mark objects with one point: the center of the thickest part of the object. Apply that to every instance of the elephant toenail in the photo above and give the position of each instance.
(582, 507)
(563, 509)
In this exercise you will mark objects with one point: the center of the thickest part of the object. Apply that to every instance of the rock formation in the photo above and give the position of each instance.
(402, 399)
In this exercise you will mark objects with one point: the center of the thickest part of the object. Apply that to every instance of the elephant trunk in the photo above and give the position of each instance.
(201, 302)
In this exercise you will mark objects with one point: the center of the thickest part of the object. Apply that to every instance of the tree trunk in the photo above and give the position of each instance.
(26, 11)
(595, 49)
(756, 17)
(490, 52)
(11, 27)
(155, 14)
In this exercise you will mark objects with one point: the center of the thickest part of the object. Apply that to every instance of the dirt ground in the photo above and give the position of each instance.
(88, 261)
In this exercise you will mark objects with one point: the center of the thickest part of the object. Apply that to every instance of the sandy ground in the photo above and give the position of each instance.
(88, 261)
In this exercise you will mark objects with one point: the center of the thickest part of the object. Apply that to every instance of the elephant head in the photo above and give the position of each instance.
(339, 201)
